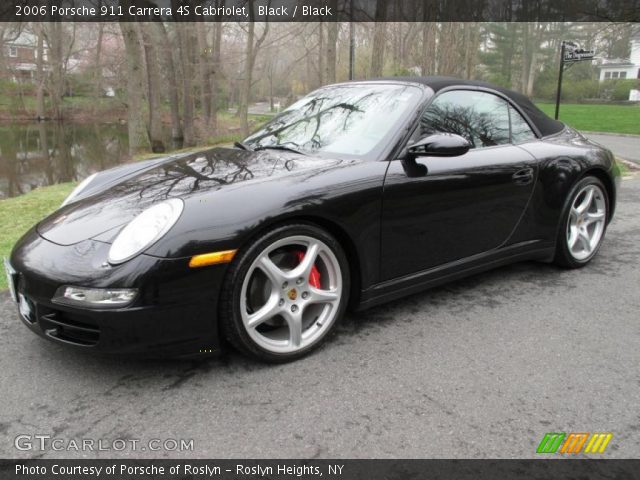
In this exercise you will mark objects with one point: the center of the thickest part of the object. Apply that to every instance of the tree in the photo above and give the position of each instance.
(251, 51)
(138, 138)
(59, 51)
(154, 79)
(332, 40)
(205, 71)
(217, 75)
(40, 75)
(187, 43)
(379, 30)
(169, 68)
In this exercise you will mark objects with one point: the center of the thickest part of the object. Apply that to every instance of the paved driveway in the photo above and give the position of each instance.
(483, 367)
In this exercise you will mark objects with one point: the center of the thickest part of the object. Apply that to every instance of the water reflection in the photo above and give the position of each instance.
(46, 153)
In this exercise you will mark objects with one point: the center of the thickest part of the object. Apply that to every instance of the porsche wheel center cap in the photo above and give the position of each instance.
(292, 294)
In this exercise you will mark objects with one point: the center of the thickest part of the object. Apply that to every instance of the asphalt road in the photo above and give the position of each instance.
(623, 146)
(483, 367)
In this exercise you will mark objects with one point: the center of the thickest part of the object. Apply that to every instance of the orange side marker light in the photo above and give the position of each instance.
(213, 258)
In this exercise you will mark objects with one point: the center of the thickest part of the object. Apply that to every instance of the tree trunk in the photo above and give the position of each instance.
(56, 61)
(154, 122)
(204, 70)
(379, 40)
(217, 76)
(97, 67)
(251, 52)
(332, 40)
(172, 83)
(321, 71)
(40, 77)
(187, 57)
(472, 38)
(245, 90)
(428, 55)
(448, 44)
(138, 139)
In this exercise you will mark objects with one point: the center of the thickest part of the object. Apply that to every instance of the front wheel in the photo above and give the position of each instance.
(584, 223)
(285, 293)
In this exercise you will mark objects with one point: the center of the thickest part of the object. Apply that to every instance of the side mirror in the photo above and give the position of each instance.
(439, 145)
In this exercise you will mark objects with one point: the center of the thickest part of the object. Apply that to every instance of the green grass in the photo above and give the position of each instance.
(19, 214)
(598, 118)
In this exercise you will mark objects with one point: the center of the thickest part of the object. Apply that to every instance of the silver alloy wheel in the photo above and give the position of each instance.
(586, 222)
(281, 308)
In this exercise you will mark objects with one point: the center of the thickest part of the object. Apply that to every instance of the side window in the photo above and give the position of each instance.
(520, 130)
(480, 117)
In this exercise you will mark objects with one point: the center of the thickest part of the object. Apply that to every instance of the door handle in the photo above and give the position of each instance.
(523, 177)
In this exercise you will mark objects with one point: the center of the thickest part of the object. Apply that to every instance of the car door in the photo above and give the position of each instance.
(462, 206)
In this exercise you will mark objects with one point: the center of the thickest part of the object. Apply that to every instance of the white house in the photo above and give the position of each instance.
(622, 68)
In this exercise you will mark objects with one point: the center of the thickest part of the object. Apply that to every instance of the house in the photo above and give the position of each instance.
(20, 56)
(623, 68)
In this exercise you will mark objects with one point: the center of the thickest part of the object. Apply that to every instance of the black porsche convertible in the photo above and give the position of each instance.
(357, 194)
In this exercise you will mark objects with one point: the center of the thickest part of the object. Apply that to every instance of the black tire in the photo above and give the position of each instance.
(232, 327)
(563, 256)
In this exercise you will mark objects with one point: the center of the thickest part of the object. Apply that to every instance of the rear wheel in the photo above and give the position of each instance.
(285, 293)
(584, 223)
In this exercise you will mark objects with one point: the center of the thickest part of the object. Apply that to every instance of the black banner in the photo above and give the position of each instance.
(310, 469)
(322, 10)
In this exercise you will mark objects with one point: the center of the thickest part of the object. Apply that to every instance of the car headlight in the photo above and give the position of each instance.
(95, 297)
(81, 186)
(144, 230)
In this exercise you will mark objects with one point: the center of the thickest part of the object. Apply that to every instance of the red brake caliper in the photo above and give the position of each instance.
(314, 276)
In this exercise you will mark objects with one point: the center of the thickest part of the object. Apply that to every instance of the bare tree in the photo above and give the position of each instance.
(170, 76)
(40, 75)
(205, 71)
(217, 75)
(154, 97)
(59, 52)
(428, 53)
(379, 30)
(187, 43)
(97, 66)
(138, 138)
(252, 48)
(332, 40)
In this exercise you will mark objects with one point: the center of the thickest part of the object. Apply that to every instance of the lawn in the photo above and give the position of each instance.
(19, 214)
(598, 118)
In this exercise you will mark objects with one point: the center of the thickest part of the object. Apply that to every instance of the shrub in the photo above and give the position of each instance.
(621, 89)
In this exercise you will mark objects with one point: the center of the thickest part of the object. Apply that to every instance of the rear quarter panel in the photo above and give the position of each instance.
(563, 159)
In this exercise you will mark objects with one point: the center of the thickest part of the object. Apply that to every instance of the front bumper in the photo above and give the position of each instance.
(175, 312)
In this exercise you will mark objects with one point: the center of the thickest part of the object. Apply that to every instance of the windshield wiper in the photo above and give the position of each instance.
(280, 147)
(243, 146)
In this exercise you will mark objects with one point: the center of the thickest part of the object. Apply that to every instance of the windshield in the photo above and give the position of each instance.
(352, 120)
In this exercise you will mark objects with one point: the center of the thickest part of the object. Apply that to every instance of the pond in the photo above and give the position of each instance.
(46, 153)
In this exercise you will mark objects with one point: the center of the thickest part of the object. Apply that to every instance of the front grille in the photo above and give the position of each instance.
(68, 327)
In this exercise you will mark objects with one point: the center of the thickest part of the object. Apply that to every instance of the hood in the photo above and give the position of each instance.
(185, 177)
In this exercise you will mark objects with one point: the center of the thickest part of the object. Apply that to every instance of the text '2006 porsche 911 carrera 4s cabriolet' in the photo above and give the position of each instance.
(357, 194)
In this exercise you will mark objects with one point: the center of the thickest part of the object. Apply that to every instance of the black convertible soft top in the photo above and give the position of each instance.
(545, 125)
